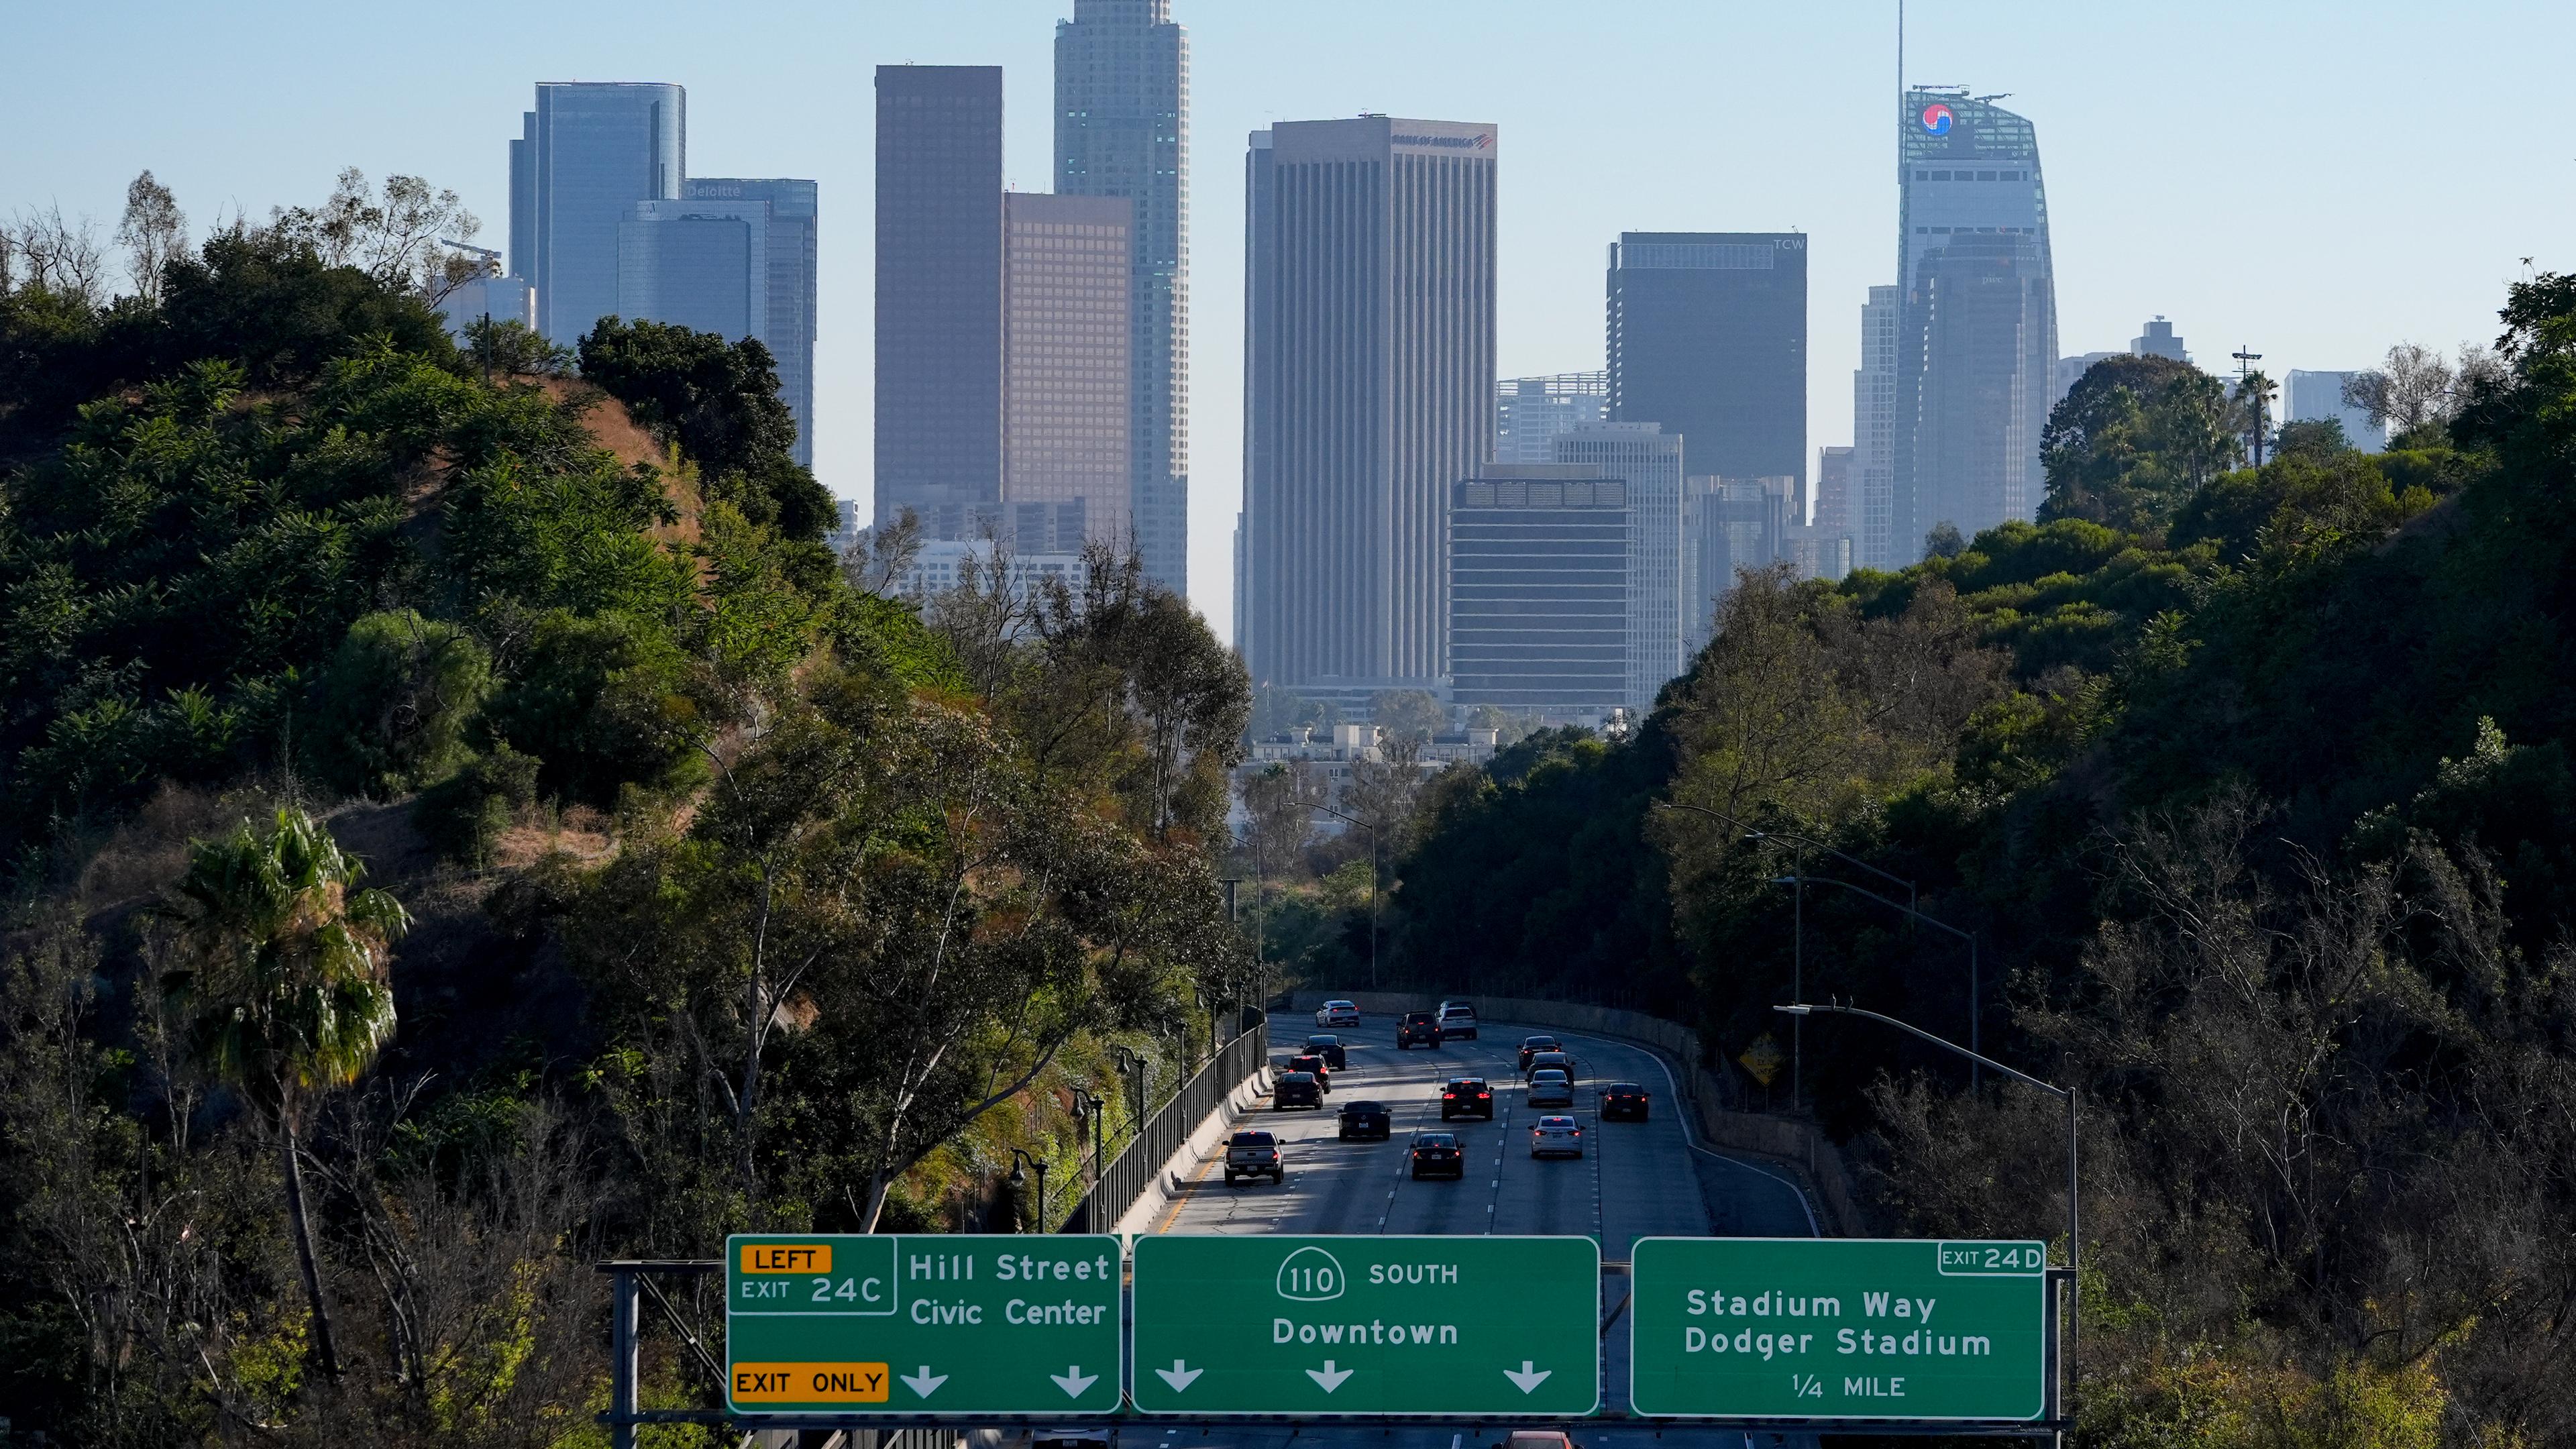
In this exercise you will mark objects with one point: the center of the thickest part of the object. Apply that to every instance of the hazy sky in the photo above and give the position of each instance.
(2318, 180)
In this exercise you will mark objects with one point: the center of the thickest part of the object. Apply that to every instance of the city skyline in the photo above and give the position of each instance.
(1796, 138)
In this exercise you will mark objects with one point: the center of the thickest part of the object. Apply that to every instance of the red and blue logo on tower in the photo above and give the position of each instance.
(1936, 119)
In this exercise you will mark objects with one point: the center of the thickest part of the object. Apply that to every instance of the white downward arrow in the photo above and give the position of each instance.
(925, 1381)
(1073, 1380)
(1329, 1376)
(1526, 1378)
(1180, 1375)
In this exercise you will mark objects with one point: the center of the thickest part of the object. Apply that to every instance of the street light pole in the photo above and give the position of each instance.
(1797, 981)
(1975, 996)
(1020, 1179)
(1373, 885)
(1752, 833)
(2074, 1217)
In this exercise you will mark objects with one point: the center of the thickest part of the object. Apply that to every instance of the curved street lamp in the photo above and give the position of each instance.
(1020, 1179)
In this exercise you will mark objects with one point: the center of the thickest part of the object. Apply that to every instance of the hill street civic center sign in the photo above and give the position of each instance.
(1839, 1328)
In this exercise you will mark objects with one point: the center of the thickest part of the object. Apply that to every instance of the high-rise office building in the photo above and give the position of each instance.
(1122, 129)
(1368, 387)
(2070, 371)
(1065, 340)
(2157, 339)
(1538, 590)
(737, 257)
(2316, 396)
(1874, 429)
(585, 156)
(1834, 511)
(939, 296)
(1649, 460)
(1978, 338)
(1531, 412)
(1708, 336)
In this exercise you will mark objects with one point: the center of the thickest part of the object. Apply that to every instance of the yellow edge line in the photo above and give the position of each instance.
(1188, 1192)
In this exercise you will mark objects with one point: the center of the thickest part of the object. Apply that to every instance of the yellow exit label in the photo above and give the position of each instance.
(787, 1257)
(809, 1383)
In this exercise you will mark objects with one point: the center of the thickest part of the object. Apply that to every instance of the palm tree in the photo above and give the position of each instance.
(284, 988)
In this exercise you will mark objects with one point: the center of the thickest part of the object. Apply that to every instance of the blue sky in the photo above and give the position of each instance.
(2318, 180)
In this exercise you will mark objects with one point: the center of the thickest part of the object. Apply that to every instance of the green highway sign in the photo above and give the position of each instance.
(921, 1324)
(1838, 1328)
(1367, 1325)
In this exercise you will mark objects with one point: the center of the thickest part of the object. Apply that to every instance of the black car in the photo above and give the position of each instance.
(1420, 1028)
(1313, 1066)
(1296, 1089)
(1623, 1101)
(1532, 1045)
(1466, 1097)
(1365, 1120)
(1437, 1154)
(1331, 1050)
(1541, 1061)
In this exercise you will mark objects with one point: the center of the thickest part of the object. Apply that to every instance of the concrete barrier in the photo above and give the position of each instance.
(1709, 1095)
(1173, 1177)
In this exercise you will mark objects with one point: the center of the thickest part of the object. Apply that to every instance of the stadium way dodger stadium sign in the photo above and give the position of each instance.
(1838, 1328)
(922, 1324)
(1367, 1325)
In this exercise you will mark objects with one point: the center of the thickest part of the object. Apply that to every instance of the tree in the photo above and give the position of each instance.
(2133, 439)
(719, 401)
(285, 989)
(1412, 714)
(1943, 540)
(396, 239)
(44, 252)
(153, 231)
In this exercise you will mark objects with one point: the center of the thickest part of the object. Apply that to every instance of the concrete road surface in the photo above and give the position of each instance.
(1635, 1179)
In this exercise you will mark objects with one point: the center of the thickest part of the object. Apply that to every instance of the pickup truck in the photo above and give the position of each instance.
(1253, 1154)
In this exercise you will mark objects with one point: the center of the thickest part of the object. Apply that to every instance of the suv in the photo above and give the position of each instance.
(1313, 1065)
(1457, 1018)
(1253, 1154)
(1466, 1096)
(1549, 1087)
(1337, 1013)
(1542, 1061)
(1330, 1049)
(1367, 1119)
(1623, 1099)
(1532, 1045)
(1419, 1028)
(1436, 1154)
(1296, 1089)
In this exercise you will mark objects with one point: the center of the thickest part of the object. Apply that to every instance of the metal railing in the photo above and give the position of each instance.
(1126, 1177)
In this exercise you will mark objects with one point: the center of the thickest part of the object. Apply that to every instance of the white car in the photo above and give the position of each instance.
(1338, 1013)
(1549, 1087)
(1556, 1136)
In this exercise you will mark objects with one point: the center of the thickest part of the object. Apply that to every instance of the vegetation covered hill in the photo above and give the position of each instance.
(462, 822)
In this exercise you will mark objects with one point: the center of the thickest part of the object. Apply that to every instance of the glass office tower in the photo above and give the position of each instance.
(735, 256)
(939, 295)
(1530, 412)
(1122, 129)
(1977, 339)
(1708, 336)
(1065, 335)
(1538, 590)
(586, 155)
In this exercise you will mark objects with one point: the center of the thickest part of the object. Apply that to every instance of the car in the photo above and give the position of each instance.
(1074, 1439)
(1419, 1028)
(1337, 1013)
(1549, 1087)
(1533, 1045)
(1541, 1061)
(1363, 1120)
(1538, 1439)
(1457, 1018)
(1296, 1089)
(1437, 1154)
(1465, 1097)
(1313, 1065)
(1624, 1101)
(1254, 1154)
(1330, 1049)
(1556, 1136)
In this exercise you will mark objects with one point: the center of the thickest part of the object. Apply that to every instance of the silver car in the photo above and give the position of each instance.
(1550, 1087)
(1556, 1136)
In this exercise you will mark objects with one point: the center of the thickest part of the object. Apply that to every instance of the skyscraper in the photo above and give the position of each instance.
(1531, 412)
(1874, 430)
(1708, 336)
(1978, 339)
(736, 257)
(1648, 459)
(2316, 396)
(1833, 492)
(1065, 335)
(1122, 87)
(2156, 339)
(1368, 386)
(586, 155)
(1538, 590)
(939, 295)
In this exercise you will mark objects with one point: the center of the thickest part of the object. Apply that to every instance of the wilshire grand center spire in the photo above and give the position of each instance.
(1978, 327)
(1122, 88)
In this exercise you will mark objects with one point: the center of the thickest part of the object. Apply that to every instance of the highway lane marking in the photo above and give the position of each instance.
(1688, 1139)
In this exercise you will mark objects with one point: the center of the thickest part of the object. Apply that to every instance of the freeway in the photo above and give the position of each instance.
(1634, 1180)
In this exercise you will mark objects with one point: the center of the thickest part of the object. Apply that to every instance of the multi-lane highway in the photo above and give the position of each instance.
(1635, 1179)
